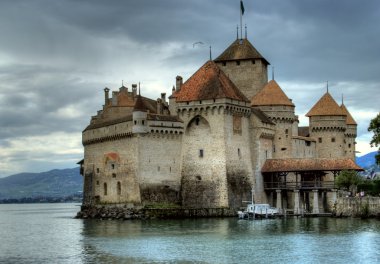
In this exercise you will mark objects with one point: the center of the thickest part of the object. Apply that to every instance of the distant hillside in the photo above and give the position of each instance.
(54, 183)
(367, 160)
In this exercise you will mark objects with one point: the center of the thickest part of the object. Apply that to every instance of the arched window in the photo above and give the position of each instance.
(105, 188)
(118, 188)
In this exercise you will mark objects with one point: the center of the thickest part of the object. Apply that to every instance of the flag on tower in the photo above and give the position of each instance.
(242, 7)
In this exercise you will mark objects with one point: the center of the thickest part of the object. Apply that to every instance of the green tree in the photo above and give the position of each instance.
(347, 179)
(374, 127)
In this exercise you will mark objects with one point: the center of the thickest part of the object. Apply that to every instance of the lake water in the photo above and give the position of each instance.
(47, 233)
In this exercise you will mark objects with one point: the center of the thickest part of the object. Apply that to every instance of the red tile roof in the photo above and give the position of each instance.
(326, 106)
(209, 82)
(350, 120)
(240, 49)
(271, 94)
(294, 165)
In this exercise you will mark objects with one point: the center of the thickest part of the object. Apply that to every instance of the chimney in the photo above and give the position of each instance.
(106, 95)
(179, 82)
(134, 90)
(163, 97)
(159, 106)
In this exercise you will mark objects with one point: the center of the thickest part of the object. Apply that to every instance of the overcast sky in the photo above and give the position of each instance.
(56, 57)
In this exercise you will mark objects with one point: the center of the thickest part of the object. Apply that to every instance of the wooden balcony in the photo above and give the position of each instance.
(303, 185)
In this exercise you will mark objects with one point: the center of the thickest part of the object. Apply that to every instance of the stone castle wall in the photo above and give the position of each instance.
(303, 148)
(159, 164)
(328, 131)
(113, 180)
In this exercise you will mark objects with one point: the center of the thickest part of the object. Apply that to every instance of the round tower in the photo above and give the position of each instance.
(350, 134)
(327, 125)
(139, 116)
(279, 108)
(245, 66)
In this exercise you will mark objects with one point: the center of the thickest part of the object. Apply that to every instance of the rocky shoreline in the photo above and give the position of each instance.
(122, 212)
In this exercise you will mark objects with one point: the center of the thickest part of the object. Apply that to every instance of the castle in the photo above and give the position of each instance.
(222, 134)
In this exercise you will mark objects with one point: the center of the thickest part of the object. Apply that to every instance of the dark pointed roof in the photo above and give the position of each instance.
(271, 94)
(209, 82)
(140, 105)
(240, 49)
(350, 120)
(326, 106)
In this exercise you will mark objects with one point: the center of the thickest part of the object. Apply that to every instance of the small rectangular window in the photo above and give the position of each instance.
(332, 139)
(237, 63)
(201, 153)
(319, 140)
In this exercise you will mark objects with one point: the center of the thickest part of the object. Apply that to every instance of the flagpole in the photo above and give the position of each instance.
(241, 21)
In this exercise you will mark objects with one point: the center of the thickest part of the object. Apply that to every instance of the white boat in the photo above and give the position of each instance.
(254, 210)
(258, 211)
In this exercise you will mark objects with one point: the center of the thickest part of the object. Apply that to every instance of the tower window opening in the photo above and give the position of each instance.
(286, 131)
(349, 145)
(239, 153)
(238, 63)
(113, 175)
(224, 63)
(105, 188)
(97, 170)
(319, 140)
(253, 61)
(197, 121)
(113, 166)
(333, 139)
(135, 122)
(118, 188)
(143, 123)
(201, 153)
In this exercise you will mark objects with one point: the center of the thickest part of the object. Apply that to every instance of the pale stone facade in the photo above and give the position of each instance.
(207, 147)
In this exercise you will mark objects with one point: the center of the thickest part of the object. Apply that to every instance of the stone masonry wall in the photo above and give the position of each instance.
(358, 207)
(204, 163)
(249, 77)
(159, 160)
(238, 160)
(113, 181)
